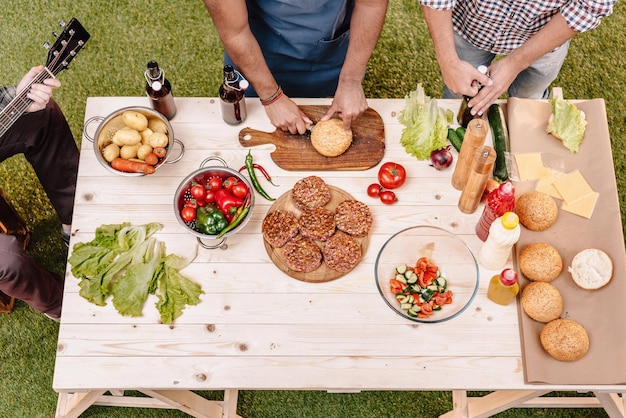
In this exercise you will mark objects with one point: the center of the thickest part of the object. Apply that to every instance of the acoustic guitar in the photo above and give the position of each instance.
(62, 52)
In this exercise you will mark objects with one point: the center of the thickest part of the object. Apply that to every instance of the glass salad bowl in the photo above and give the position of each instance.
(426, 274)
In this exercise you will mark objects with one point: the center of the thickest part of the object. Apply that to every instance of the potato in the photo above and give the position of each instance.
(110, 152)
(157, 125)
(144, 150)
(158, 139)
(126, 136)
(145, 134)
(135, 120)
(129, 151)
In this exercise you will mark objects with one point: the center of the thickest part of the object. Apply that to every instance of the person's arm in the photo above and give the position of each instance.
(231, 21)
(504, 71)
(366, 25)
(460, 76)
(39, 93)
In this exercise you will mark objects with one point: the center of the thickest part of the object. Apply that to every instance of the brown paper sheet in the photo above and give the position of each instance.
(602, 312)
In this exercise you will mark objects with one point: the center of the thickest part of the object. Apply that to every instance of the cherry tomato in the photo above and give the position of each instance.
(214, 183)
(240, 190)
(198, 192)
(210, 196)
(391, 175)
(192, 203)
(188, 213)
(230, 182)
(387, 197)
(374, 189)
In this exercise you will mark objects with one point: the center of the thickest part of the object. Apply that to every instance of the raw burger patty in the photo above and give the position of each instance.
(317, 224)
(310, 192)
(342, 252)
(353, 217)
(278, 227)
(301, 254)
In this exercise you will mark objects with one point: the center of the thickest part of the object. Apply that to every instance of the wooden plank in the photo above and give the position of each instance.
(71, 405)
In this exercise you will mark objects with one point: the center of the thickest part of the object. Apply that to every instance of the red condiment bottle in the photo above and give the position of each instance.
(499, 201)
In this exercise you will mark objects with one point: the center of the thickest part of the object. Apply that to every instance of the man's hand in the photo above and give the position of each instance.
(349, 102)
(285, 114)
(39, 93)
(502, 75)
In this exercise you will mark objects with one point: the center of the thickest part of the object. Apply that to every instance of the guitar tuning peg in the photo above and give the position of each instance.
(46, 45)
(62, 23)
(56, 35)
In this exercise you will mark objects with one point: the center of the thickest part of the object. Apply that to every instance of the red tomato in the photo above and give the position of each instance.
(214, 183)
(391, 175)
(240, 190)
(192, 203)
(230, 182)
(374, 189)
(198, 192)
(188, 213)
(210, 196)
(387, 197)
(396, 286)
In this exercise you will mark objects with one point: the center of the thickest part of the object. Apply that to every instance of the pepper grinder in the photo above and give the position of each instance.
(481, 168)
(474, 138)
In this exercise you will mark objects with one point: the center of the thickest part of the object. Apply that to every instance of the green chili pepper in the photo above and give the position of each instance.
(253, 179)
(210, 220)
(236, 221)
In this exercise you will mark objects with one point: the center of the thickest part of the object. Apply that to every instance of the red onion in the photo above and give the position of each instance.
(441, 158)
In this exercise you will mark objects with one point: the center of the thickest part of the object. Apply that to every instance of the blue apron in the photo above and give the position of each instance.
(304, 42)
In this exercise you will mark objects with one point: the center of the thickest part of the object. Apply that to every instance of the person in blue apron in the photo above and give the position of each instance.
(299, 48)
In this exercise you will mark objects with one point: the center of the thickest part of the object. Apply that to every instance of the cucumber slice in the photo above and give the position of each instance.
(427, 294)
(401, 269)
(400, 278)
(412, 278)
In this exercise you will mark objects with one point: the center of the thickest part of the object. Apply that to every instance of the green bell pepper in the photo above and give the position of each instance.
(210, 220)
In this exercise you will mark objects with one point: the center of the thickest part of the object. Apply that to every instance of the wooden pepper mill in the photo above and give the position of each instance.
(474, 138)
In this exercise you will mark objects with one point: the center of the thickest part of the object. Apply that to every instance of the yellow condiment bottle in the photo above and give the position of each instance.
(503, 287)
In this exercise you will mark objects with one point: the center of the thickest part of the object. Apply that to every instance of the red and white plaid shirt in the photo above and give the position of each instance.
(503, 26)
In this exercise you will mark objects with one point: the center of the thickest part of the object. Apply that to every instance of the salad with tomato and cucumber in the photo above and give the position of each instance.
(420, 290)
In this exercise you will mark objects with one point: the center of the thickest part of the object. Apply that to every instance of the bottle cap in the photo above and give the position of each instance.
(507, 188)
(243, 84)
(510, 220)
(508, 277)
(156, 85)
(482, 69)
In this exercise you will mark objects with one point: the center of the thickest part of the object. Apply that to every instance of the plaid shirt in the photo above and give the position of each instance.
(501, 27)
(6, 95)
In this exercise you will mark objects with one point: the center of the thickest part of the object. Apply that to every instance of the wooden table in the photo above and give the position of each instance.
(281, 333)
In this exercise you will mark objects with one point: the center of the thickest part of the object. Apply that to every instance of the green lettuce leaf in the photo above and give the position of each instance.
(426, 125)
(174, 292)
(567, 123)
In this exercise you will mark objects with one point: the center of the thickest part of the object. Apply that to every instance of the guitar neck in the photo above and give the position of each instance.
(20, 103)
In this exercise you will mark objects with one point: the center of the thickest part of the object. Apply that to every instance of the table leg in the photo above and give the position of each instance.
(71, 405)
(229, 408)
(190, 403)
(612, 403)
(491, 404)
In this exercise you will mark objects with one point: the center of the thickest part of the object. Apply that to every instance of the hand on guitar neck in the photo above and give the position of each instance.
(39, 85)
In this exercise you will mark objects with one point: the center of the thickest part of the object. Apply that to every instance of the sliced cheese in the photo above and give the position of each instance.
(529, 166)
(573, 187)
(545, 184)
(583, 207)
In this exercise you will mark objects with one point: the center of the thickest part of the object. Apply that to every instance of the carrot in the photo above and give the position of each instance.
(160, 152)
(151, 159)
(128, 166)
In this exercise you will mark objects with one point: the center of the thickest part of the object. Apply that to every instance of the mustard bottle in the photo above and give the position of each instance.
(503, 287)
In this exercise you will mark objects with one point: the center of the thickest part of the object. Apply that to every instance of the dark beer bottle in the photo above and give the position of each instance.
(159, 90)
(232, 98)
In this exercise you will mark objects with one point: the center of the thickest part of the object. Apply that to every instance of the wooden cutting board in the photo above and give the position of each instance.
(295, 152)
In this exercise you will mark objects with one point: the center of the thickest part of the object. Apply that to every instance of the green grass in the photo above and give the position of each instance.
(180, 36)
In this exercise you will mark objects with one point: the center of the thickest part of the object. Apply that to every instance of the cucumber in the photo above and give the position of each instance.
(401, 269)
(460, 131)
(454, 139)
(501, 143)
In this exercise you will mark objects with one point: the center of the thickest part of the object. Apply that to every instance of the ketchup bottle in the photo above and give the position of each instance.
(159, 90)
(232, 98)
(499, 201)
